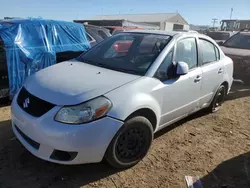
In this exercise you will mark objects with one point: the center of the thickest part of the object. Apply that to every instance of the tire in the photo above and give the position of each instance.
(131, 143)
(218, 99)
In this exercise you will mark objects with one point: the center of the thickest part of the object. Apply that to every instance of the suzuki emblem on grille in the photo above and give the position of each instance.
(26, 103)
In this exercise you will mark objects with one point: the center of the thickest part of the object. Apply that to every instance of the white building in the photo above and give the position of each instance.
(166, 21)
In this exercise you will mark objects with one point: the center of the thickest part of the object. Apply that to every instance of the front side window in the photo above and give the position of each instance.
(208, 51)
(127, 52)
(186, 51)
(240, 40)
(163, 73)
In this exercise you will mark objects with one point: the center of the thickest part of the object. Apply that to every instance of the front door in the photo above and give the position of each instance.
(181, 95)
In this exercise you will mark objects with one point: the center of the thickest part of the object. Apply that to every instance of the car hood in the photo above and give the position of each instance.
(74, 82)
(235, 52)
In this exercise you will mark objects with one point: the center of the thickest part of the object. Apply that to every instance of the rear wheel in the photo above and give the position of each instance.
(218, 99)
(131, 143)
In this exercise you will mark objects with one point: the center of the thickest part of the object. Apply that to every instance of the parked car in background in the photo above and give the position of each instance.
(220, 36)
(29, 45)
(109, 102)
(96, 34)
(238, 48)
(118, 29)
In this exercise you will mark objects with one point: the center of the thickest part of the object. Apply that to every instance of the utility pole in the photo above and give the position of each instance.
(214, 20)
(231, 13)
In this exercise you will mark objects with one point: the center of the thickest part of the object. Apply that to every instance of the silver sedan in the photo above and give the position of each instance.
(109, 102)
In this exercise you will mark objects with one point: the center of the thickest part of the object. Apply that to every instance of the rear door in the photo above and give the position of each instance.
(212, 70)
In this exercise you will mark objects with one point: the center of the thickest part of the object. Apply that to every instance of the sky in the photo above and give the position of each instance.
(194, 11)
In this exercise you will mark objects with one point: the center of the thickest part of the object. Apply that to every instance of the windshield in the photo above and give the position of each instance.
(127, 52)
(240, 40)
(218, 35)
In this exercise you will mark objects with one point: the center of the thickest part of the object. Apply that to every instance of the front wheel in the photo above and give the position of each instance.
(218, 99)
(131, 143)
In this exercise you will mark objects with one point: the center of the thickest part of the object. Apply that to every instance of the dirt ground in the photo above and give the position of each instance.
(215, 147)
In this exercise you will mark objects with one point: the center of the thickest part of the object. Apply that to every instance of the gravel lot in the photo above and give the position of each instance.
(215, 147)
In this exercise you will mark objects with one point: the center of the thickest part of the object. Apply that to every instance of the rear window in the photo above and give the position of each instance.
(240, 40)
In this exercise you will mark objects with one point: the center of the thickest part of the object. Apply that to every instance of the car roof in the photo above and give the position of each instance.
(152, 32)
(169, 33)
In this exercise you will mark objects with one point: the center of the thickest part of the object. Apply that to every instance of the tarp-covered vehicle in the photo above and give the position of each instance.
(28, 45)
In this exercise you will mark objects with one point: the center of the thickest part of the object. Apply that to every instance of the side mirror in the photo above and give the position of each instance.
(182, 68)
(220, 43)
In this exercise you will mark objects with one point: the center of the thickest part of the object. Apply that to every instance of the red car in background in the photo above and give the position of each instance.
(118, 29)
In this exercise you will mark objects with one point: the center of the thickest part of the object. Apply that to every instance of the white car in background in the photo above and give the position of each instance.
(109, 102)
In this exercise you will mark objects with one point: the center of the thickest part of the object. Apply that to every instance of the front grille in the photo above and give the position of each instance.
(31, 142)
(32, 104)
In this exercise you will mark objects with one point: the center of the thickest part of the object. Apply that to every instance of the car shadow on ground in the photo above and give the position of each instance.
(30, 171)
(181, 122)
(238, 90)
(19, 168)
(233, 173)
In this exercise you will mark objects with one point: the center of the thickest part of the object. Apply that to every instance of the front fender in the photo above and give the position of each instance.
(125, 105)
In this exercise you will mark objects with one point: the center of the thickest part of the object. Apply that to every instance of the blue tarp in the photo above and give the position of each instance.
(32, 44)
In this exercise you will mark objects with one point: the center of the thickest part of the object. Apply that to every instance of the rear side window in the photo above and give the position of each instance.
(208, 51)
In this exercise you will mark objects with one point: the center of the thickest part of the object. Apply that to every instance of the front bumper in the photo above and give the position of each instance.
(89, 141)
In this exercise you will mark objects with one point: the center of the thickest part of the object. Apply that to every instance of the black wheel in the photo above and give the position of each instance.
(131, 143)
(218, 99)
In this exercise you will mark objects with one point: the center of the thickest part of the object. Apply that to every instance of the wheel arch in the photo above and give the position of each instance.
(147, 113)
(226, 84)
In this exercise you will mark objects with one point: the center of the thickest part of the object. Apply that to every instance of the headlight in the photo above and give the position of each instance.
(84, 112)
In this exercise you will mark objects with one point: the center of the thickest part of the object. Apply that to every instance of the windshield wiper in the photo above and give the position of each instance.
(111, 67)
(119, 69)
(88, 61)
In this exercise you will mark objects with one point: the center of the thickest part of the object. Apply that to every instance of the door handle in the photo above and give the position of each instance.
(220, 71)
(197, 79)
